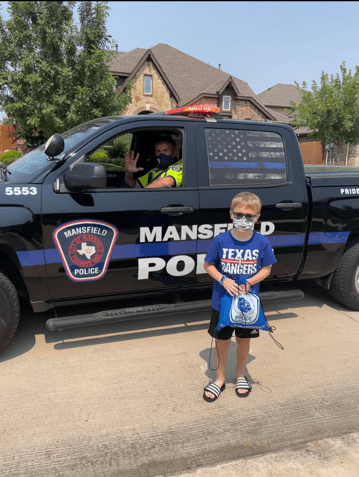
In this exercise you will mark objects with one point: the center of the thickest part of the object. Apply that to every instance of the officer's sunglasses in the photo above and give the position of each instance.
(239, 215)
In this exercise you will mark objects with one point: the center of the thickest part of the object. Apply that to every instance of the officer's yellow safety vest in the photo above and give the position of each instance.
(175, 171)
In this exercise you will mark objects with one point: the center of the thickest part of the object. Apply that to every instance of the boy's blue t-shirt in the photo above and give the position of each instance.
(237, 259)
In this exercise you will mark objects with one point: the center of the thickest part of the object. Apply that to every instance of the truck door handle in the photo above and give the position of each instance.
(288, 205)
(177, 210)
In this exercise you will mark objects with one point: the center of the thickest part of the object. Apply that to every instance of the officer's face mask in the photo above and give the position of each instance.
(164, 161)
(244, 222)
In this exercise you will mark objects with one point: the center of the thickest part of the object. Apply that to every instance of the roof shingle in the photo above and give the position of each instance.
(190, 77)
(126, 62)
(280, 95)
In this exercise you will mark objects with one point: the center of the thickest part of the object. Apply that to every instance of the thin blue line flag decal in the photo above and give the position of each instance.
(85, 247)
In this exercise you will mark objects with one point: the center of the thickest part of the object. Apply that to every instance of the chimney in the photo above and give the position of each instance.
(116, 46)
(219, 66)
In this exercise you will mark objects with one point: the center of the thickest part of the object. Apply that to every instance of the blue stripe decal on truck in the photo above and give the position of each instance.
(35, 257)
(40, 257)
(276, 241)
(154, 249)
(317, 238)
(247, 165)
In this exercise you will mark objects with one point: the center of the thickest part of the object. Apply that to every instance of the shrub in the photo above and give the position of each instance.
(99, 157)
(8, 121)
(9, 157)
(117, 150)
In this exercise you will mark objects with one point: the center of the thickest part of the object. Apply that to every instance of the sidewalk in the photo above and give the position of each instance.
(337, 457)
(125, 399)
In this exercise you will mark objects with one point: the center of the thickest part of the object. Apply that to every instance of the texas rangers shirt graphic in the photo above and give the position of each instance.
(239, 262)
(85, 247)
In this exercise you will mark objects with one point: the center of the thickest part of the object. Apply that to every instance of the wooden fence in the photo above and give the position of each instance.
(6, 143)
(312, 152)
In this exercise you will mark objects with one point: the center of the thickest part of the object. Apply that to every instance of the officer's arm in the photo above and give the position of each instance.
(164, 182)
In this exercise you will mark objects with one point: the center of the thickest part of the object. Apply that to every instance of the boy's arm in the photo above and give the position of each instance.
(228, 284)
(263, 273)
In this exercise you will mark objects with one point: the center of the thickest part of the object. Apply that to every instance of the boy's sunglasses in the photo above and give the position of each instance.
(238, 215)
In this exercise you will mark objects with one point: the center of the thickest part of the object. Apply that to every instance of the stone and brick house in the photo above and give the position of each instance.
(277, 99)
(165, 78)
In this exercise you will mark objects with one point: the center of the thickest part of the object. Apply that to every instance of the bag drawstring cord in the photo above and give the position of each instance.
(210, 354)
(270, 332)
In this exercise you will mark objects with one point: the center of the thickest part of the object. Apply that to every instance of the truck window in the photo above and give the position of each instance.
(112, 153)
(142, 141)
(242, 156)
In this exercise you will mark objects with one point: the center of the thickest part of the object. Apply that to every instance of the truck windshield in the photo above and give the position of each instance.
(28, 167)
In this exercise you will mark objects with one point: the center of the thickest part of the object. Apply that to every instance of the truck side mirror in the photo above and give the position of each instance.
(85, 175)
(54, 146)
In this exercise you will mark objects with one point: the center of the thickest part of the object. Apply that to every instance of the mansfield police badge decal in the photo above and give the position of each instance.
(85, 247)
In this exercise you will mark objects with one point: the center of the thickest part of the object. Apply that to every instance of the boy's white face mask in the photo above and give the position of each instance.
(243, 224)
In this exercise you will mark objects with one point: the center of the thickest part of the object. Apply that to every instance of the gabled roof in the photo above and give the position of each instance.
(187, 78)
(126, 61)
(280, 95)
(303, 131)
(150, 55)
(279, 116)
(228, 83)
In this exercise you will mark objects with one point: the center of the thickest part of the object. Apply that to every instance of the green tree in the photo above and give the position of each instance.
(330, 110)
(54, 74)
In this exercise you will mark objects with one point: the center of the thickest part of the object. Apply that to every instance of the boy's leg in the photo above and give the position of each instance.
(221, 353)
(242, 356)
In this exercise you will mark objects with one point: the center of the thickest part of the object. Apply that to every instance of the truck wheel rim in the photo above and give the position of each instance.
(357, 280)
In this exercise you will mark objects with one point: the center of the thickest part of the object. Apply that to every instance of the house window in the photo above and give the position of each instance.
(147, 84)
(226, 104)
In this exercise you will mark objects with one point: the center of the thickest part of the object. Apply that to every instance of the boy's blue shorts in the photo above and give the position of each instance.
(227, 332)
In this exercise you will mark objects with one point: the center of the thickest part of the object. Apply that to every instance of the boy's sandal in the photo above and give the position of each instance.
(243, 384)
(213, 389)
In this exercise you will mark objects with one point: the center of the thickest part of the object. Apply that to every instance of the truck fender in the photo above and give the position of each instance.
(15, 231)
(353, 239)
(344, 285)
(14, 218)
(20, 232)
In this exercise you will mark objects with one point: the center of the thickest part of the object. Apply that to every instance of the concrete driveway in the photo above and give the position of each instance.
(125, 399)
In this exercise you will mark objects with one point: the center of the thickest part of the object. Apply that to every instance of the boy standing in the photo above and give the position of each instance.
(239, 252)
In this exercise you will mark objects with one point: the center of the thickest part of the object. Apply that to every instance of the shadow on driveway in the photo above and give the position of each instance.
(32, 324)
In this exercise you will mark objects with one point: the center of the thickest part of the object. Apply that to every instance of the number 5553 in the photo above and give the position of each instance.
(21, 191)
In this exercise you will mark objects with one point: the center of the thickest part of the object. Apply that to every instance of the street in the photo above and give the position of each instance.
(125, 399)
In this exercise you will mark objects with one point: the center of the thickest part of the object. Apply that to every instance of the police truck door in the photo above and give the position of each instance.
(120, 241)
(235, 157)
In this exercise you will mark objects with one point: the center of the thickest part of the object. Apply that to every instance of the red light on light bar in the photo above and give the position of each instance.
(195, 109)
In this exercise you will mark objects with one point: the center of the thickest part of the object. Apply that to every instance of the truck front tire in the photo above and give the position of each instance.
(9, 311)
(345, 284)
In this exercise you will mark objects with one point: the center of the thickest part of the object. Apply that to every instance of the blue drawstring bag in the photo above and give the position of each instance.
(242, 311)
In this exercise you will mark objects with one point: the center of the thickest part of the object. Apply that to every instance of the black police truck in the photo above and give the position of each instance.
(72, 233)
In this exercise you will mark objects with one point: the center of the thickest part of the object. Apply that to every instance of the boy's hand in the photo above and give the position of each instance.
(231, 287)
(244, 288)
(234, 289)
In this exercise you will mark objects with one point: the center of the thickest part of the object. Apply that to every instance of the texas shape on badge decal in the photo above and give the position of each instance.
(85, 247)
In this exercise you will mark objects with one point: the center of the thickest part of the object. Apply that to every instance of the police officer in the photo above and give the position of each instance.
(167, 173)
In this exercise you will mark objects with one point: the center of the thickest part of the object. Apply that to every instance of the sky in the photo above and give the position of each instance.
(261, 43)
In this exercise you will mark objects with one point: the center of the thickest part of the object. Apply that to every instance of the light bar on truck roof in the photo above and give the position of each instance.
(193, 110)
